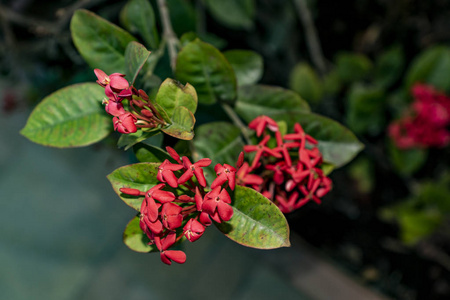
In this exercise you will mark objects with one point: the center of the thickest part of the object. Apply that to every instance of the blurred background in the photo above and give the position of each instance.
(384, 230)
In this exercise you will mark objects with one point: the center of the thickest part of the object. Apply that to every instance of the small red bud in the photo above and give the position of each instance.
(240, 160)
(131, 192)
(146, 113)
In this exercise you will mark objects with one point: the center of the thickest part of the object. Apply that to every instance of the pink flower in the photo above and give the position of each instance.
(125, 123)
(425, 122)
(193, 230)
(115, 80)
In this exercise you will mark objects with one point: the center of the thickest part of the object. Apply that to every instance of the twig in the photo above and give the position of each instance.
(237, 121)
(315, 50)
(172, 40)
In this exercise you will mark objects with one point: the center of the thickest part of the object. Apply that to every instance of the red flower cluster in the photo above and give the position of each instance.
(166, 218)
(141, 112)
(426, 122)
(288, 173)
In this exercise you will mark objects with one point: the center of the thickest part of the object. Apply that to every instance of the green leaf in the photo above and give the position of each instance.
(127, 141)
(432, 67)
(136, 239)
(208, 71)
(416, 225)
(149, 153)
(365, 111)
(137, 16)
(424, 212)
(141, 176)
(135, 57)
(306, 83)
(256, 100)
(70, 117)
(389, 66)
(182, 126)
(247, 65)
(408, 161)
(182, 16)
(221, 146)
(256, 221)
(337, 144)
(236, 14)
(172, 94)
(101, 43)
(352, 67)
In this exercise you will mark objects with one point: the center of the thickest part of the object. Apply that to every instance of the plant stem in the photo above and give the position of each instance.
(237, 121)
(171, 38)
(312, 39)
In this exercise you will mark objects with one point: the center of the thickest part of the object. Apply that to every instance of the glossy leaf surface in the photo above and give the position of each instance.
(247, 65)
(101, 43)
(212, 76)
(141, 176)
(182, 126)
(172, 94)
(135, 57)
(432, 66)
(233, 13)
(127, 141)
(136, 239)
(256, 221)
(306, 83)
(70, 117)
(256, 100)
(138, 17)
(149, 153)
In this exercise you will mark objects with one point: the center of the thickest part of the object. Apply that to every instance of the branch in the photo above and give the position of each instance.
(172, 40)
(312, 40)
(236, 121)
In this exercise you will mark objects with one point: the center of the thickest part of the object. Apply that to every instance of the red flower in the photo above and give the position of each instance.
(261, 149)
(173, 154)
(149, 216)
(171, 216)
(261, 122)
(165, 173)
(194, 169)
(283, 148)
(244, 178)
(160, 195)
(216, 204)
(278, 169)
(125, 123)
(193, 230)
(425, 122)
(167, 256)
(224, 173)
